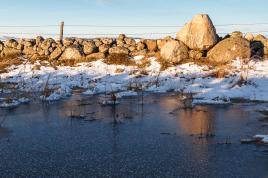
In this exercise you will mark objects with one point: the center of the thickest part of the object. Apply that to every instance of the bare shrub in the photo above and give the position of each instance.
(244, 68)
(164, 64)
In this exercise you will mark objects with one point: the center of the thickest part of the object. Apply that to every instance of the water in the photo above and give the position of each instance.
(153, 139)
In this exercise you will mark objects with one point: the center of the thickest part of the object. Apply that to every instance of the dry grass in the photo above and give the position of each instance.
(204, 61)
(8, 61)
(40, 58)
(119, 70)
(143, 63)
(164, 64)
(222, 72)
(69, 62)
(119, 59)
(73, 62)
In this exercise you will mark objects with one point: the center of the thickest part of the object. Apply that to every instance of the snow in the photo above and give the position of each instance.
(13, 102)
(97, 77)
(264, 138)
(126, 93)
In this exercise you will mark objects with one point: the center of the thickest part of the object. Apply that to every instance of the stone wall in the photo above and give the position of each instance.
(76, 48)
(197, 40)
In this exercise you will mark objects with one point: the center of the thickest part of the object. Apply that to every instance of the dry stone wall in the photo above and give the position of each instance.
(197, 40)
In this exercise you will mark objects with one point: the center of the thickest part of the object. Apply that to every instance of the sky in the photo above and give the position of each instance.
(128, 12)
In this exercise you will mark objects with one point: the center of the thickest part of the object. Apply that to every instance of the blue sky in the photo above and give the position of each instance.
(127, 12)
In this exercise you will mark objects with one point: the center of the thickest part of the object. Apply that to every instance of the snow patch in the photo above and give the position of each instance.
(97, 77)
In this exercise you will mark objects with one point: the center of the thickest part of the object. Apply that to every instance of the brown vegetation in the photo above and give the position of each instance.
(164, 64)
(119, 59)
(8, 61)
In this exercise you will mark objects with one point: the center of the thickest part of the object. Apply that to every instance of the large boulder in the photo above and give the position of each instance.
(199, 33)
(118, 50)
(71, 53)
(228, 50)
(174, 52)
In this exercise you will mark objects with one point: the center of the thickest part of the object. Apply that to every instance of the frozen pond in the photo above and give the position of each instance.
(153, 139)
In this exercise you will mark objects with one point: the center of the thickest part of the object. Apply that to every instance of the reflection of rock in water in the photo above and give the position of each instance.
(198, 121)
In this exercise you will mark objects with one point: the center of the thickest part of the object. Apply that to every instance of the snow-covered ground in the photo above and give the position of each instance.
(97, 77)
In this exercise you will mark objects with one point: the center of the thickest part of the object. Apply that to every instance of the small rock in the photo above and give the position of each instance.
(39, 40)
(236, 34)
(98, 43)
(130, 41)
(68, 41)
(29, 51)
(196, 55)
(47, 43)
(140, 46)
(104, 48)
(151, 45)
(122, 37)
(118, 50)
(107, 41)
(249, 36)
(55, 54)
